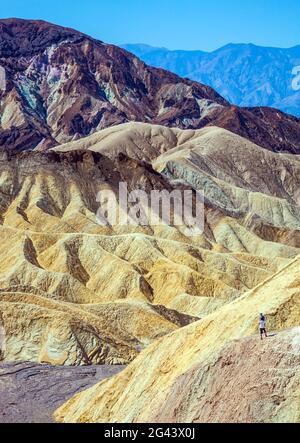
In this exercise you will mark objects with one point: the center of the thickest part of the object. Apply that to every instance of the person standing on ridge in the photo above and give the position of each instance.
(262, 326)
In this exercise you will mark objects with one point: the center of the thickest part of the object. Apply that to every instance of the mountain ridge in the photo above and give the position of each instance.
(67, 85)
(249, 74)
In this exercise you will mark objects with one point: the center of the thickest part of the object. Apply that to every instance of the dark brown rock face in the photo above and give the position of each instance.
(57, 85)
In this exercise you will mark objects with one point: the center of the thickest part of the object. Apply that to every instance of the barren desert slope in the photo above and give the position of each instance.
(73, 292)
(208, 371)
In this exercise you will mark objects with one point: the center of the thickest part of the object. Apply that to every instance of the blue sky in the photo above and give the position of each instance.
(175, 24)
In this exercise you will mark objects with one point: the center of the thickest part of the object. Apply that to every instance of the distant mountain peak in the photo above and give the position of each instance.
(238, 71)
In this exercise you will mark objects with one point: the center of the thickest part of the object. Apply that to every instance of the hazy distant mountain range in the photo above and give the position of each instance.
(244, 74)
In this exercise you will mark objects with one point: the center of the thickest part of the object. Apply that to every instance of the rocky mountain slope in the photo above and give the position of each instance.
(75, 292)
(245, 74)
(189, 376)
(246, 381)
(58, 85)
(229, 169)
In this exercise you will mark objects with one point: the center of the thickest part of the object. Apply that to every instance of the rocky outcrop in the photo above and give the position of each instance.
(205, 372)
(59, 85)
